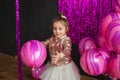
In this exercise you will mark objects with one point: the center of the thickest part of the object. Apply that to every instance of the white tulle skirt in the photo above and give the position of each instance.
(63, 72)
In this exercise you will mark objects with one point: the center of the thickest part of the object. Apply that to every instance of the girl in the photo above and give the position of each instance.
(60, 66)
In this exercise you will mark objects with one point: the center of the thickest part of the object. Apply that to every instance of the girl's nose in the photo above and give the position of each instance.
(57, 30)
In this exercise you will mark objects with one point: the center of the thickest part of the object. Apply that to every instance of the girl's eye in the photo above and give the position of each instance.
(60, 29)
(54, 29)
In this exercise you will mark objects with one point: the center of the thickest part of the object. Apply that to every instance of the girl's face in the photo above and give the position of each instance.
(59, 29)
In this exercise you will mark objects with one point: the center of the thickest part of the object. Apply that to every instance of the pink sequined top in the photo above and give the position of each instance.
(61, 45)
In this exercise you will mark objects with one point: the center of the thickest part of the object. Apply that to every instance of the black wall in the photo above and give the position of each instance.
(7, 27)
(35, 18)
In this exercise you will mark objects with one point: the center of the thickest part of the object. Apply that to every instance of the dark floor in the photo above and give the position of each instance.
(9, 69)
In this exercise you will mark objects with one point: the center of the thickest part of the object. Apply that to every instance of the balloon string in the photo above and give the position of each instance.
(18, 40)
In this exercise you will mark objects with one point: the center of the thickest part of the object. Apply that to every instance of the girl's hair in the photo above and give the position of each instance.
(61, 18)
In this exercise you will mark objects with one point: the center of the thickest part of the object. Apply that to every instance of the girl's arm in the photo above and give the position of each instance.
(65, 54)
(67, 48)
(46, 42)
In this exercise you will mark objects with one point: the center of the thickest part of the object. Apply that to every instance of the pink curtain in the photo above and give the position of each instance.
(84, 16)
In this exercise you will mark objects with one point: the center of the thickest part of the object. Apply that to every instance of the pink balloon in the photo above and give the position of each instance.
(102, 43)
(86, 44)
(36, 72)
(105, 22)
(117, 6)
(33, 53)
(95, 61)
(114, 66)
(113, 35)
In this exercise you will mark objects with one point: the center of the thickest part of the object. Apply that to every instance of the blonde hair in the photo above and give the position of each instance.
(61, 18)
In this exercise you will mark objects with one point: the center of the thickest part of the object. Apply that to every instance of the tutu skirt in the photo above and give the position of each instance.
(62, 72)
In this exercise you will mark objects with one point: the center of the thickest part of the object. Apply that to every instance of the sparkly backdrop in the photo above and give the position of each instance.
(84, 16)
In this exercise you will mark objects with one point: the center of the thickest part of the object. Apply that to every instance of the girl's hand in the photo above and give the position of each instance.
(55, 58)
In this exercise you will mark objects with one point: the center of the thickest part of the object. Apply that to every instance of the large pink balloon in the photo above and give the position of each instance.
(113, 35)
(108, 19)
(33, 53)
(36, 72)
(95, 61)
(86, 44)
(114, 67)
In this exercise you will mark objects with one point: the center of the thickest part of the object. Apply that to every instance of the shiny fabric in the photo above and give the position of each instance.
(65, 68)
(62, 46)
(84, 16)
